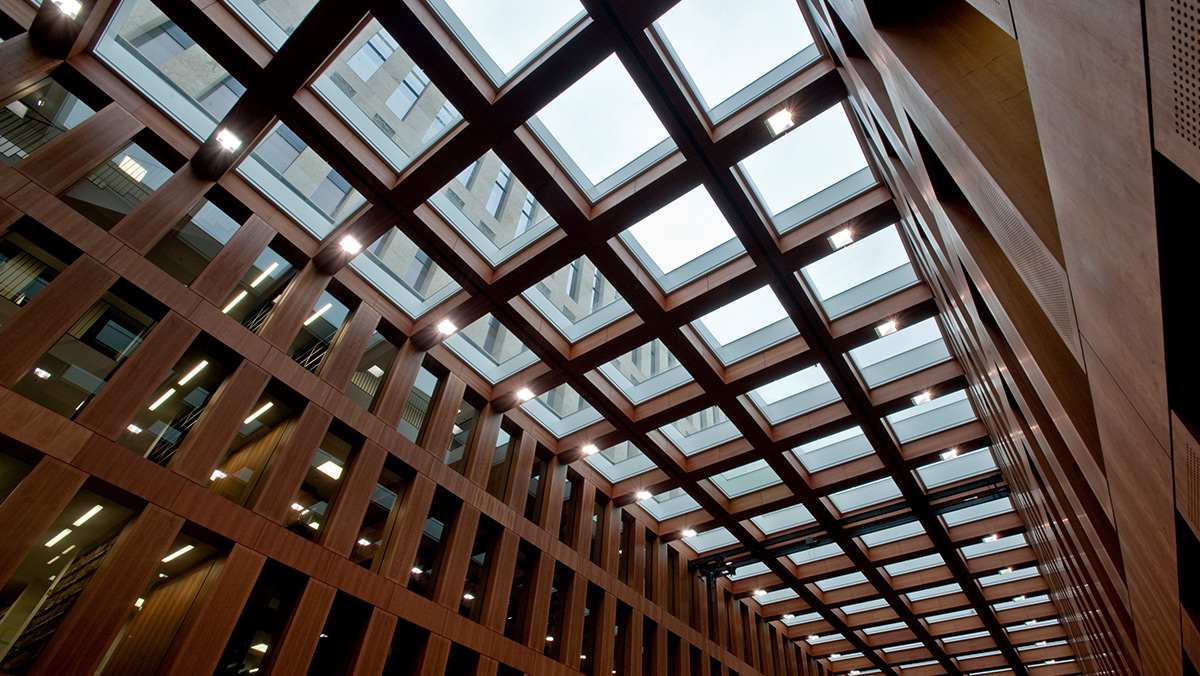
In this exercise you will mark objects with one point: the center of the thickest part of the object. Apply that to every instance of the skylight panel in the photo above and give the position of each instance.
(802, 619)
(504, 36)
(865, 495)
(701, 431)
(646, 372)
(809, 170)
(860, 273)
(873, 604)
(934, 592)
(578, 299)
(747, 325)
(745, 479)
(776, 596)
(896, 355)
(913, 565)
(814, 554)
(749, 570)
(602, 129)
(1001, 545)
(620, 461)
(977, 512)
(834, 449)
(783, 519)
(273, 21)
(491, 349)
(942, 413)
(710, 540)
(1001, 578)
(893, 534)
(762, 43)
(829, 584)
(795, 394)
(683, 240)
(561, 410)
(958, 468)
(405, 274)
(669, 504)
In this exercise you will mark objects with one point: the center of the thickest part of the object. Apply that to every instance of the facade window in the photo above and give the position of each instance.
(467, 175)
(218, 100)
(491, 340)
(371, 56)
(402, 100)
(418, 273)
(526, 218)
(444, 117)
(573, 279)
(331, 193)
(499, 188)
(280, 149)
(162, 43)
(597, 290)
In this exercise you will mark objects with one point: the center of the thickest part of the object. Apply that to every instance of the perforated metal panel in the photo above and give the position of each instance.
(1185, 73)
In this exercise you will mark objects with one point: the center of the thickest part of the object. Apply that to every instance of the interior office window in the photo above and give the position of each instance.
(367, 380)
(29, 122)
(573, 279)
(113, 189)
(164, 420)
(193, 242)
(468, 174)
(322, 481)
(221, 97)
(597, 289)
(464, 424)
(499, 188)
(416, 410)
(445, 116)
(331, 193)
(347, 620)
(371, 56)
(280, 149)
(265, 429)
(474, 588)
(428, 562)
(501, 460)
(533, 494)
(518, 594)
(382, 512)
(262, 621)
(407, 92)
(417, 276)
(554, 625)
(526, 218)
(405, 650)
(26, 267)
(162, 43)
(251, 302)
(78, 366)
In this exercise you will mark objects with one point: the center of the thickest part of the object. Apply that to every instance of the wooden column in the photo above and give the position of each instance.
(219, 278)
(398, 384)
(520, 472)
(456, 557)
(602, 658)
(22, 65)
(574, 603)
(537, 614)
(32, 507)
(658, 652)
(550, 500)
(609, 532)
(400, 549)
(630, 662)
(149, 221)
(303, 631)
(439, 423)
(284, 471)
(431, 660)
(294, 307)
(499, 580)
(581, 523)
(657, 572)
(346, 514)
(486, 666)
(482, 447)
(90, 626)
(214, 432)
(637, 556)
(371, 652)
(63, 161)
(348, 347)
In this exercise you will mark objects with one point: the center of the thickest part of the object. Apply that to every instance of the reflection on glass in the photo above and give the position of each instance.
(193, 242)
(274, 20)
(683, 240)
(898, 354)
(78, 366)
(117, 186)
(29, 122)
(746, 479)
(260, 288)
(367, 380)
(25, 269)
(318, 331)
(578, 299)
(490, 206)
(865, 271)
(493, 340)
(165, 64)
(428, 561)
(262, 622)
(261, 435)
(412, 422)
(404, 273)
(300, 181)
(172, 409)
(464, 424)
(389, 488)
(502, 37)
(310, 508)
(385, 97)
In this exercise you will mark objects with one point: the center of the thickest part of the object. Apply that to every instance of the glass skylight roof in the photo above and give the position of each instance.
(602, 130)
(504, 36)
(964, 466)
(672, 503)
(747, 325)
(490, 206)
(896, 355)
(578, 299)
(892, 534)
(834, 449)
(934, 592)
(814, 554)
(683, 240)
(561, 410)
(783, 519)
(273, 21)
(1002, 545)
(810, 169)
(776, 596)
(762, 43)
(795, 394)
(710, 540)
(865, 495)
(861, 273)
(404, 273)
(646, 372)
(385, 97)
(745, 479)
(977, 512)
(942, 413)
(491, 349)
(913, 565)
(701, 431)
(829, 584)
(620, 461)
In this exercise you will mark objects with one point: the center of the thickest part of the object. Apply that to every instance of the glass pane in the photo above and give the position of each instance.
(310, 507)
(117, 186)
(947, 411)
(392, 482)
(578, 299)
(429, 552)
(865, 495)
(490, 206)
(172, 409)
(404, 273)
(683, 240)
(620, 461)
(259, 438)
(502, 37)
(260, 288)
(602, 129)
(671, 503)
(273, 20)
(957, 468)
(25, 269)
(757, 39)
(809, 170)
(66, 378)
(896, 355)
(385, 97)
(833, 450)
(502, 456)
(301, 182)
(977, 512)
(867, 270)
(709, 540)
(701, 431)
(262, 622)
(147, 49)
(746, 479)
(783, 519)
(646, 372)
(814, 554)
(368, 378)
(489, 347)
(29, 122)
(562, 411)
(318, 331)
(796, 394)
(913, 565)
(412, 422)
(194, 241)
(747, 325)
(464, 424)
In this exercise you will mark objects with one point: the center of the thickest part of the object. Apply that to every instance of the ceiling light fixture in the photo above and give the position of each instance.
(1006, 571)
(950, 454)
(217, 474)
(236, 299)
(363, 542)
(922, 398)
(254, 416)
(318, 313)
(447, 327)
(525, 394)
(163, 399)
(788, 616)
(87, 515)
(194, 372)
(991, 538)
(760, 592)
(228, 140)
(134, 429)
(331, 469)
(780, 122)
(417, 571)
(643, 495)
(351, 245)
(468, 596)
(841, 238)
(70, 8)
(41, 373)
(134, 170)
(887, 328)
(590, 449)
(178, 553)
(688, 533)
(265, 273)
(54, 540)
(259, 647)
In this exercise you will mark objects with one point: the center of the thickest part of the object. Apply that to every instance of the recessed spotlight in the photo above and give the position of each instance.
(447, 327)
(991, 538)
(525, 394)
(41, 373)
(950, 454)
(70, 8)
(689, 533)
(841, 238)
(550, 639)
(1006, 571)
(228, 140)
(813, 638)
(1018, 599)
(468, 596)
(351, 245)
(217, 474)
(643, 495)
(780, 122)
(760, 592)
(886, 328)
(788, 616)
(590, 449)
(1030, 623)
(363, 542)
(417, 571)
(138, 603)
(835, 656)
(922, 398)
